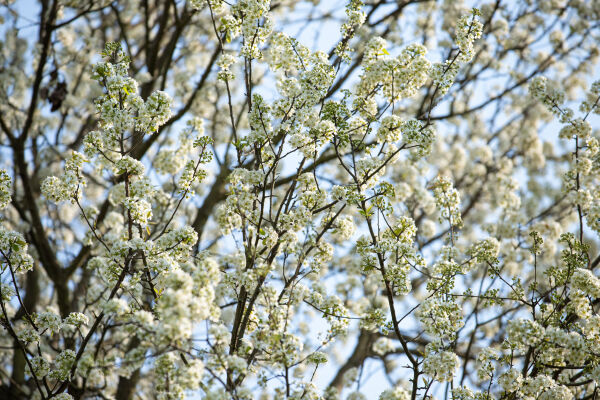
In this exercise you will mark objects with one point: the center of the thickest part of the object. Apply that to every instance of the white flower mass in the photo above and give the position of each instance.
(300, 199)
